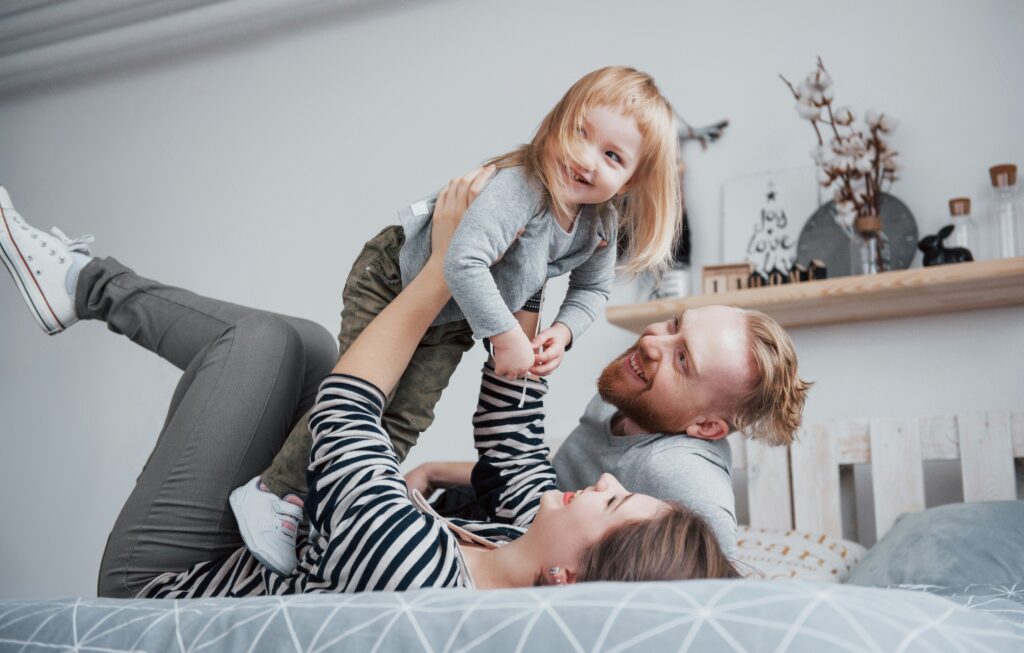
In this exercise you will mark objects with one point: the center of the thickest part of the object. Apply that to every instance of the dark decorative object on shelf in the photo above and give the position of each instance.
(798, 273)
(936, 253)
(777, 277)
(817, 270)
(822, 237)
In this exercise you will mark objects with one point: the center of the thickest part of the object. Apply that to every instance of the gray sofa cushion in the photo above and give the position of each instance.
(955, 544)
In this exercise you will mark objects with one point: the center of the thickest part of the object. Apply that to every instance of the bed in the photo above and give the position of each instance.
(949, 578)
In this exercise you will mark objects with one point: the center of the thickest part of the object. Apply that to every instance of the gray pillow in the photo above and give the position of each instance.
(955, 544)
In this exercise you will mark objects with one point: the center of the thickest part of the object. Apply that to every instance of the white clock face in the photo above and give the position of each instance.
(821, 238)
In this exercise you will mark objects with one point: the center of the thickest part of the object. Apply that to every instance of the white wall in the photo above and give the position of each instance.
(253, 169)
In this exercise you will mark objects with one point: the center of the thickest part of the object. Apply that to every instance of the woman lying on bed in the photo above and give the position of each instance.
(248, 375)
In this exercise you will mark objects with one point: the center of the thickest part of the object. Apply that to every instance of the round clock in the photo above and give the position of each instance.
(821, 238)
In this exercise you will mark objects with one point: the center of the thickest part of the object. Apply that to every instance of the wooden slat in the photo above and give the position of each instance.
(897, 472)
(853, 447)
(986, 456)
(939, 440)
(738, 445)
(815, 470)
(768, 486)
(1017, 434)
(988, 468)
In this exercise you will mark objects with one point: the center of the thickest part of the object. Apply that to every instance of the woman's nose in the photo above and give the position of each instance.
(607, 482)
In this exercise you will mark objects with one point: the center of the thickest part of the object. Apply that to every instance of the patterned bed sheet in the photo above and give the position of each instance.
(741, 615)
(1003, 602)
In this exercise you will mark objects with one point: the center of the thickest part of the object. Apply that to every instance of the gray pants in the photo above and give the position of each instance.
(248, 376)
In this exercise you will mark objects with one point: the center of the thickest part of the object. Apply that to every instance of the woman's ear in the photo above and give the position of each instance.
(557, 576)
(708, 428)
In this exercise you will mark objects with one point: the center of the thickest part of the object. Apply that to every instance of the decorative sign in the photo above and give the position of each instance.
(762, 215)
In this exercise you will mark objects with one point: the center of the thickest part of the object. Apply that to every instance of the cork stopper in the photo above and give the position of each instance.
(867, 224)
(1003, 175)
(960, 206)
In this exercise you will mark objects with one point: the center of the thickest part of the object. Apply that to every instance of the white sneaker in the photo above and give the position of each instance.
(40, 263)
(268, 525)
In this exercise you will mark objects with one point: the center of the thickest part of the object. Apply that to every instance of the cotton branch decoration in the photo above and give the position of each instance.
(854, 163)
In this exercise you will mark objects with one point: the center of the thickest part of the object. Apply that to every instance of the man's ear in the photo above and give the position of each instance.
(708, 428)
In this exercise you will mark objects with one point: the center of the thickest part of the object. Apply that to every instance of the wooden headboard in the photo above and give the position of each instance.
(800, 486)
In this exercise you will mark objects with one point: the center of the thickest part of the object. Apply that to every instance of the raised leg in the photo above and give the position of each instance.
(248, 375)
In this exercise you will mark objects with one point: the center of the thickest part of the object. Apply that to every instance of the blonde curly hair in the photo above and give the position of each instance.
(773, 409)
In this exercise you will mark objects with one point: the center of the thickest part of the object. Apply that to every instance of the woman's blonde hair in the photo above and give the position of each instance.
(649, 211)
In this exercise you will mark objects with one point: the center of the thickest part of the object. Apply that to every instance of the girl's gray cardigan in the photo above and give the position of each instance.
(485, 294)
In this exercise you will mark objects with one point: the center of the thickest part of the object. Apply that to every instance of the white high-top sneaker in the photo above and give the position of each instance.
(268, 525)
(40, 263)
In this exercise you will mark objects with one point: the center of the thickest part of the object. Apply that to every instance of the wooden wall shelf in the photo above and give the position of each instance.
(903, 293)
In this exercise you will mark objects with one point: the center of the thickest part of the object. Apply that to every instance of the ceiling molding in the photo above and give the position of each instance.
(32, 24)
(45, 40)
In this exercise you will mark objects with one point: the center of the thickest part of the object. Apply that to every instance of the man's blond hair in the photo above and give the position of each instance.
(771, 412)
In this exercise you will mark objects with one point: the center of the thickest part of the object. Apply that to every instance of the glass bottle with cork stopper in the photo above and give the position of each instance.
(966, 231)
(869, 247)
(1005, 228)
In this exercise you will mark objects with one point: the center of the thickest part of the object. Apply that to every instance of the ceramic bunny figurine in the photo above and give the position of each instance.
(936, 253)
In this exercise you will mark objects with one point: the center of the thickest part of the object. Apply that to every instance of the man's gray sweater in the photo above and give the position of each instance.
(694, 472)
(486, 293)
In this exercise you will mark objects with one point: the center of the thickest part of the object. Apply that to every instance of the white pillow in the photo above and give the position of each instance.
(771, 554)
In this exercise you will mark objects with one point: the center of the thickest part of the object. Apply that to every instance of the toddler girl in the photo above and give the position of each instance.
(602, 160)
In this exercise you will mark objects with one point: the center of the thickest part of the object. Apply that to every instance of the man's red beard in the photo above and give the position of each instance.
(631, 400)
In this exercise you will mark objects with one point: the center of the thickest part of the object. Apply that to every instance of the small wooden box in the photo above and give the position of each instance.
(725, 277)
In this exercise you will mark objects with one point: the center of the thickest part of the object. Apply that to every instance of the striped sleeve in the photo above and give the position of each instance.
(371, 536)
(512, 469)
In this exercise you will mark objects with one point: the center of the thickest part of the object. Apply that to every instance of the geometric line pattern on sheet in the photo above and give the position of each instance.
(1004, 602)
(738, 615)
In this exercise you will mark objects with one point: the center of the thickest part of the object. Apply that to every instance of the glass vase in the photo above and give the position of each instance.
(869, 248)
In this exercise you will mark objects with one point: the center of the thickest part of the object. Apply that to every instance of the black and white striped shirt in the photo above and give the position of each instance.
(372, 537)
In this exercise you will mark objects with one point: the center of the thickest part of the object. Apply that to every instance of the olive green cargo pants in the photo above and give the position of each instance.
(374, 281)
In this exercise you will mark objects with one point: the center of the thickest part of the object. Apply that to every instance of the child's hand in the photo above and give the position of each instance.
(554, 340)
(513, 354)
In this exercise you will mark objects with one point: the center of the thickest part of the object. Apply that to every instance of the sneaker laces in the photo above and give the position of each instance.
(80, 244)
